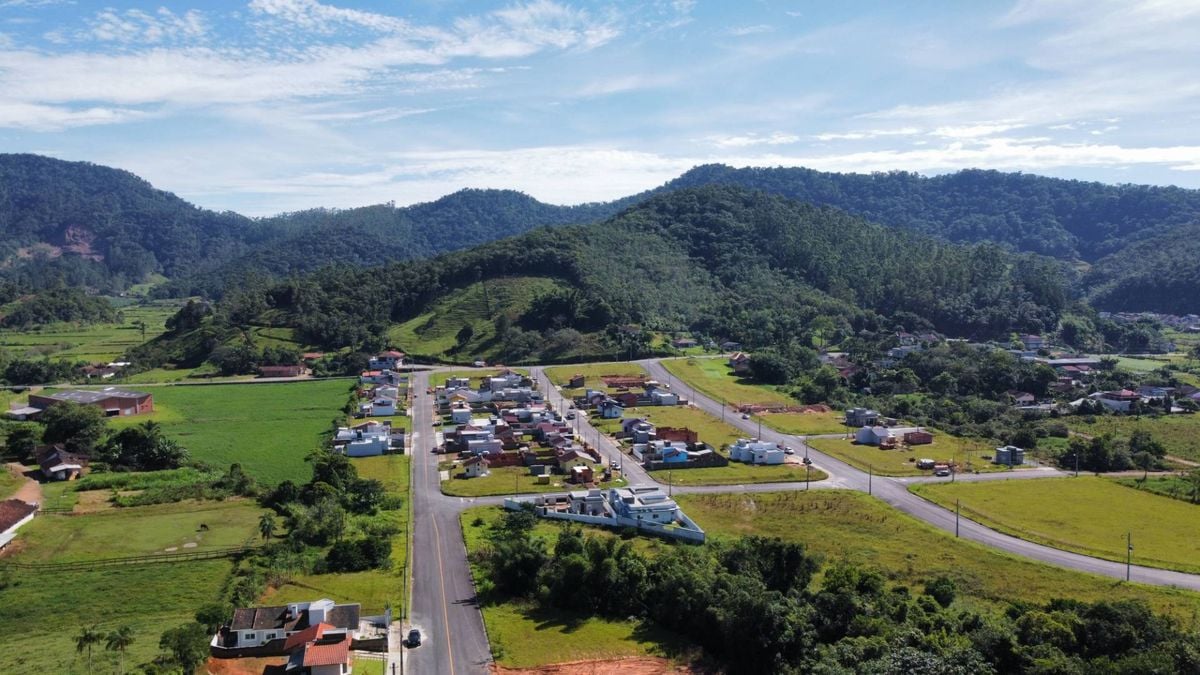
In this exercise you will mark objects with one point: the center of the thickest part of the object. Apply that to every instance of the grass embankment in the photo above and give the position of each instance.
(1087, 515)
(525, 636)
(592, 373)
(267, 428)
(10, 482)
(1175, 487)
(96, 343)
(842, 525)
(968, 452)
(434, 333)
(1179, 434)
(374, 589)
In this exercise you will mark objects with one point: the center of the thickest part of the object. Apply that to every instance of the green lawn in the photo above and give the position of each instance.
(714, 377)
(1140, 365)
(1180, 434)
(1175, 487)
(1086, 514)
(507, 479)
(374, 589)
(9, 482)
(806, 423)
(113, 533)
(101, 342)
(969, 452)
(561, 375)
(366, 666)
(843, 525)
(268, 428)
(524, 636)
(738, 474)
(47, 609)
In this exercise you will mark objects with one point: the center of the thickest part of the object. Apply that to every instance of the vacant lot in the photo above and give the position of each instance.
(268, 428)
(1089, 515)
(504, 480)
(114, 533)
(374, 589)
(739, 474)
(805, 423)
(711, 430)
(524, 636)
(903, 462)
(560, 375)
(1180, 434)
(861, 529)
(715, 378)
(47, 609)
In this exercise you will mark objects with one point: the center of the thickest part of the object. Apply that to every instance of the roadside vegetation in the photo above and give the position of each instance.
(968, 453)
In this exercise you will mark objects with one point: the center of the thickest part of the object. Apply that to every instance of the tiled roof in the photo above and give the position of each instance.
(327, 653)
(305, 636)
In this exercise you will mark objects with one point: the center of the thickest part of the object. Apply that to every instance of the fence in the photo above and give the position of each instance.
(154, 558)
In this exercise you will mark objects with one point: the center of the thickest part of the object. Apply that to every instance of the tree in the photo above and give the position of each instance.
(143, 448)
(85, 639)
(1144, 461)
(78, 427)
(464, 335)
(187, 644)
(942, 589)
(119, 641)
(21, 443)
(212, 615)
(1193, 479)
(266, 526)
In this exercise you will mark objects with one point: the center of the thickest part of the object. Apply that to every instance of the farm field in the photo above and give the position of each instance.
(840, 525)
(434, 334)
(903, 462)
(714, 377)
(268, 428)
(1141, 365)
(524, 636)
(102, 342)
(560, 375)
(119, 532)
(1088, 515)
(148, 598)
(1180, 434)
(438, 379)
(374, 589)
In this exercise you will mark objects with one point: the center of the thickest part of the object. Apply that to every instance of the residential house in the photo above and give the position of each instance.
(259, 626)
(114, 402)
(581, 475)
(100, 372)
(1118, 401)
(319, 652)
(731, 346)
(460, 413)
(389, 360)
(1009, 455)
(663, 396)
(576, 382)
(610, 409)
(13, 514)
(740, 362)
(368, 439)
(683, 343)
(884, 437)
(58, 464)
(569, 459)
(1151, 393)
(638, 430)
(862, 417)
(1021, 397)
(645, 504)
(1033, 342)
(458, 383)
(476, 467)
(754, 451)
(282, 371)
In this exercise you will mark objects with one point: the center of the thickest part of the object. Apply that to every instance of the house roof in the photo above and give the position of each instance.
(477, 459)
(393, 354)
(13, 511)
(260, 618)
(305, 636)
(327, 652)
(86, 396)
(572, 454)
(58, 459)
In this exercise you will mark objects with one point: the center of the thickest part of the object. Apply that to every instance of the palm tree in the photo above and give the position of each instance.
(266, 526)
(88, 636)
(118, 641)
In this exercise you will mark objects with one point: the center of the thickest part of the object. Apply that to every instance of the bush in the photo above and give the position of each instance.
(359, 555)
(942, 589)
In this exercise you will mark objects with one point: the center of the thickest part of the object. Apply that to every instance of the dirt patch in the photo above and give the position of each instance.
(631, 666)
(30, 491)
(266, 665)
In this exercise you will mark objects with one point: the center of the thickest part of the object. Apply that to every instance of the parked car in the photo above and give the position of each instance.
(789, 451)
(745, 416)
(414, 638)
(570, 416)
(942, 472)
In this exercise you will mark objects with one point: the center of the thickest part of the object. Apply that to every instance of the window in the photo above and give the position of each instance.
(251, 636)
(269, 636)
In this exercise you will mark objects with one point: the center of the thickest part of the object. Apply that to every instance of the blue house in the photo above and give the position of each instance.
(611, 410)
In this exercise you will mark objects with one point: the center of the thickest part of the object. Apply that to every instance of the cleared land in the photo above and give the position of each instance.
(561, 375)
(434, 334)
(805, 423)
(714, 377)
(1180, 434)
(268, 428)
(1088, 515)
(524, 636)
(102, 342)
(374, 589)
(969, 452)
(739, 474)
(862, 529)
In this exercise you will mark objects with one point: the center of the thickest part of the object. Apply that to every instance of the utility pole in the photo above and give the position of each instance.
(957, 508)
(870, 478)
(1076, 463)
(1128, 554)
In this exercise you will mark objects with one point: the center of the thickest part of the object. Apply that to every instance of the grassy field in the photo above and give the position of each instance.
(366, 666)
(805, 423)
(738, 474)
(439, 378)
(268, 428)
(842, 525)
(715, 378)
(9, 482)
(434, 333)
(710, 429)
(903, 462)
(1180, 434)
(504, 480)
(49, 608)
(560, 375)
(523, 636)
(113, 533)
(1140, 365)
(1175, 487)
(1088, 515)
(374, 589)
(101, 342)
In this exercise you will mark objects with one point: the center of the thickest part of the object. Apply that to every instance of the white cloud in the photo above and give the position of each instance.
(315, 16)
(137, 27)
(54, 118)
(866, 134)
(758, 29)
(623, 83)
(776, 138)
(975, 130)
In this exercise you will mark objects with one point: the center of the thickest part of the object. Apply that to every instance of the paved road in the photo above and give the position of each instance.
(895, 492)
(443, 597)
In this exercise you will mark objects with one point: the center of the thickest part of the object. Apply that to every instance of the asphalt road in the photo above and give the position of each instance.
(443, 597)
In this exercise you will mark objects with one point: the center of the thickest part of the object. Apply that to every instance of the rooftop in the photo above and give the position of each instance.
(86, 396)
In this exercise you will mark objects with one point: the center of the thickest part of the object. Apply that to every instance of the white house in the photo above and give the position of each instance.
(257, 626)
(611, 410)
(363, 440)
(383, 407)
(881, 435)
(644, 504)
(460, 413)
(664, 397)
(756, 452)
(389, 360)
(485, 446)
(476, 467)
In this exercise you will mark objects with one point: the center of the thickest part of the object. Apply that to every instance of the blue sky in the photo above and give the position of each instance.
(264, 106)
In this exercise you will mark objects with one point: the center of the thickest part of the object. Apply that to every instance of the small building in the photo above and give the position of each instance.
(730, 346)
(318, 651)
(576, 382)
(281, 371)
(389, 360)
(660, 396)
(1033, 342)
(476, 467)
(920, 437)
(1022, 397)
(13, 514)
(383, 407)
(1117, 401)
(884, 437)
(739, 362)
(581, 475)
(570, 459)
(460, 413)
(683, 343)
(610, 409)
(1009, 455)
(755, 451)
(58, 464)
(113, 401)
(862, 417)
(368, 439)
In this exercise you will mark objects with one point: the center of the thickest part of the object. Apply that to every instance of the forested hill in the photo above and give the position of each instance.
(1067, 219)
(728, 261)
(375, 235)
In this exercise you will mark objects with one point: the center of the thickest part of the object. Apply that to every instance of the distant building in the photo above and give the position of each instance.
(281, 371)
(1033, 342)
(862, 417)
(114, 402)
(389, 360)
(683, 343)
(1009, 455)
(476, 467)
